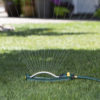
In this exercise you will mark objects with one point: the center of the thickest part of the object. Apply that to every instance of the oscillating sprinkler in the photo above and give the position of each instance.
(63, 77)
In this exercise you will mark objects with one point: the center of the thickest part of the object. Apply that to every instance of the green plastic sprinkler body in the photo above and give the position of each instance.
(66, 77)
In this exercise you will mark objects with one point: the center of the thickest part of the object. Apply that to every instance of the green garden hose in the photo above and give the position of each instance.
(54, 77)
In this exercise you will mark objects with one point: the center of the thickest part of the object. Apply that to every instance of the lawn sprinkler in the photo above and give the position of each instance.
(62, 77)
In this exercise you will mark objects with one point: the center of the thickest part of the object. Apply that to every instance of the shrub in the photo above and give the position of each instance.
(16, 2)
(97, 13)
(61, 11)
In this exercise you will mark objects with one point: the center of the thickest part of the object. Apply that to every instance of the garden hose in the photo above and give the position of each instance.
(62, 77)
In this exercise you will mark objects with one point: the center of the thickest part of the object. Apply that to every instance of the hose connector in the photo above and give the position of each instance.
(68, 74)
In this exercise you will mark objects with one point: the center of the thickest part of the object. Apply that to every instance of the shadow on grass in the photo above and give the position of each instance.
(15, 64)
(42, 31)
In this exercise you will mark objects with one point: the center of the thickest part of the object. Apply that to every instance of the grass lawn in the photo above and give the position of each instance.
(59, 48)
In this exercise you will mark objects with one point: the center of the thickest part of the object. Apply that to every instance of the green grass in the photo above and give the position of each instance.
(58, 48)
